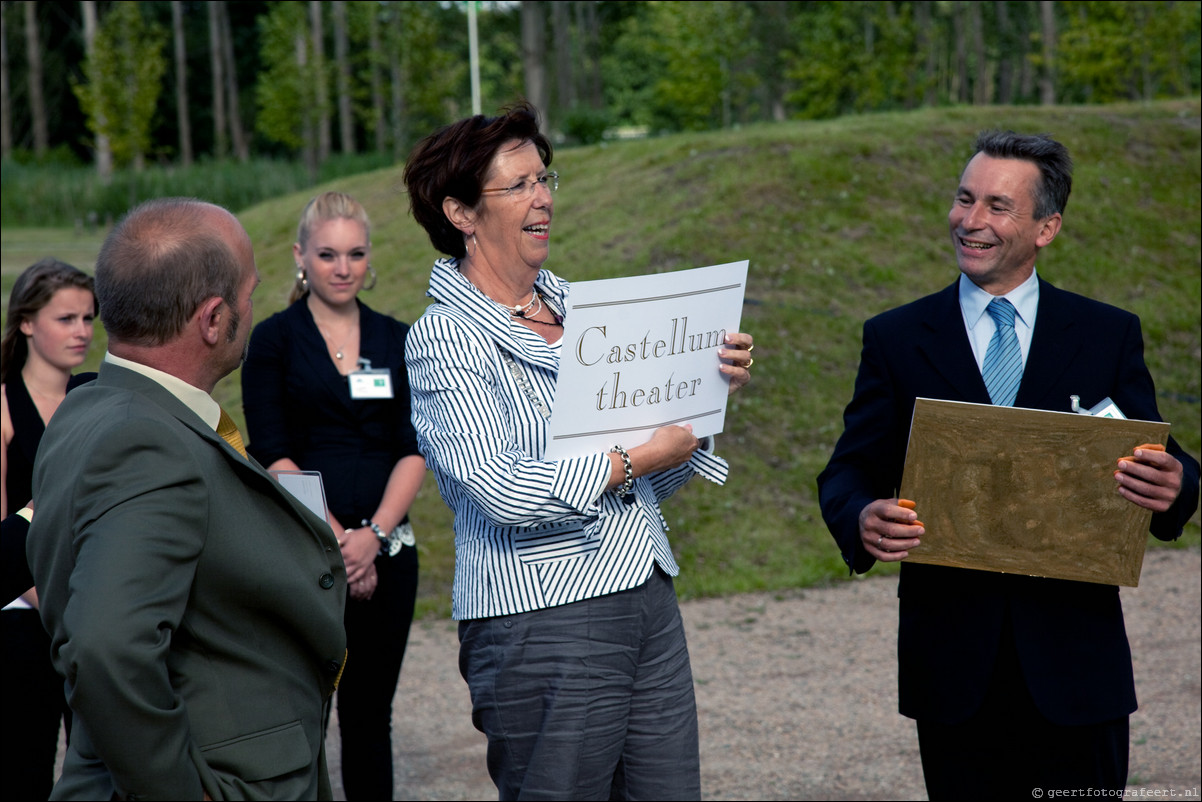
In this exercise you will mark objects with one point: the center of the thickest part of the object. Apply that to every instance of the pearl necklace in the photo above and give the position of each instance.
(520, 310)
(524, 312)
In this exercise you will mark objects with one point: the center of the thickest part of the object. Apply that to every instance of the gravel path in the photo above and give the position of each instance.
(797, 695)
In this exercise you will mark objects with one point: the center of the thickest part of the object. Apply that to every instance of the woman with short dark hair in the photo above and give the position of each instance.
(571, 640)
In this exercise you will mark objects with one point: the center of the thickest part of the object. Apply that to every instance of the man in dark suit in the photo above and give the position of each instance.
(1016, 682)
(194, 607)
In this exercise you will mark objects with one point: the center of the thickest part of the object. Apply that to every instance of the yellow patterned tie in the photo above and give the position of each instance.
(229, 432)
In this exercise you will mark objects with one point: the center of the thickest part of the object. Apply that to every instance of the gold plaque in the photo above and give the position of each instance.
(1026, 491)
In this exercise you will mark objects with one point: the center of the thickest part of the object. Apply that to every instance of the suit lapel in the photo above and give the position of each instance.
(943, 342)
(116, 376)
(1054, 346)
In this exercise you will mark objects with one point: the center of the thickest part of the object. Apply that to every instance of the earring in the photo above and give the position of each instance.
(471, 252)
(374, 277)
(301, 281)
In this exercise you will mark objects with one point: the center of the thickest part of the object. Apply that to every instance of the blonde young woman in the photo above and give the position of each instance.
(46, 336)
(324, 389)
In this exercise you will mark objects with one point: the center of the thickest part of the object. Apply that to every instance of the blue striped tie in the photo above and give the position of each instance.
(1003, 368)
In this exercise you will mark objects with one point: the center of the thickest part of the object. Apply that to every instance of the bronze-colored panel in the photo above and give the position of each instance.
(1025, 491)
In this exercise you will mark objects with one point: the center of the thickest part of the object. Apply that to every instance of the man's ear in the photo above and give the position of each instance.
(1049, 230)
(460, 215)
(209, 319)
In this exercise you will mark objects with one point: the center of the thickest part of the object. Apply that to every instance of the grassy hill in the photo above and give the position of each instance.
(840, 219)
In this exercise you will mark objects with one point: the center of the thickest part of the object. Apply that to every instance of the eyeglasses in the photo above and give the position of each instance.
(524, 188)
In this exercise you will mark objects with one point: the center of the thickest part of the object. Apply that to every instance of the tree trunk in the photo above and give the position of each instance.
(216, 65)
(396, 69)
(1028, 14)
(309, 148)
(1146, 89)
(6, 110)
(104, 149)
(591, 33)
(317, 31)
(181, 84)
(237, 132)
(377, 82)
(1008, 44)
(1047, 78)
(926, 44)
(534, 51)
(37, 101)
(565, 90)
(346, 122)
(982, 88)
(961, 73)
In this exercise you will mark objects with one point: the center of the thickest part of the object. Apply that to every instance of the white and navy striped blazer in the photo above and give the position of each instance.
(529, 534)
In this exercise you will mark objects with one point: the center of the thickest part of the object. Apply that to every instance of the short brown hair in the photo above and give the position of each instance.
(453, 162)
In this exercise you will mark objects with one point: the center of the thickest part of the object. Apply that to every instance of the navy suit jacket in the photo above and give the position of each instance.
(1069, 636)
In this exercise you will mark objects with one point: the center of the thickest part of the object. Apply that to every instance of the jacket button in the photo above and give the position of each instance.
(326, 581)
(332, 667)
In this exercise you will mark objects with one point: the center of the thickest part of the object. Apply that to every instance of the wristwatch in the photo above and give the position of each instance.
(391, 542)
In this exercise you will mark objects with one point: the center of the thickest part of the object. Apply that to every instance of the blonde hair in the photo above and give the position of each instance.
(326, 206)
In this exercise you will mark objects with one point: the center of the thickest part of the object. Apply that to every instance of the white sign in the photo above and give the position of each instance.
(642, 352)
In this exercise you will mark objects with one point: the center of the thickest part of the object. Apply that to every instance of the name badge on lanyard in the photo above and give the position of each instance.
(367, 382)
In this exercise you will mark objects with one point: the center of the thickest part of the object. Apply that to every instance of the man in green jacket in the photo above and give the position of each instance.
(195, 607)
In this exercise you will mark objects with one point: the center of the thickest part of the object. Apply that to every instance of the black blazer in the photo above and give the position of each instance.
(298, 405)
(1069, 636)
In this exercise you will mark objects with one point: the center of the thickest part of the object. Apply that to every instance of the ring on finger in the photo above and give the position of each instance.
(879, 540)
(751, 348)
(750, 362)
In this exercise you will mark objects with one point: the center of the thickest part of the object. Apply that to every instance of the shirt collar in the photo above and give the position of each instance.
(449, 286)
(193, 398)
(1025, 298)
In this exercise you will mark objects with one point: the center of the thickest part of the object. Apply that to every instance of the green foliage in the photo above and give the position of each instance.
(825, 37)
(1113, 50)
(58, 156)
(413, 38)
(286, 95)
(852, 57)
(701, 44)
(73, 195)
(502, 75)
(630, 65)
(124, 79)
(432, 41)
(682, 66)
(584, 126)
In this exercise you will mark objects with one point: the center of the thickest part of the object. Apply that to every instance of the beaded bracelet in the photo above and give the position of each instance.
(375, 527)
(624, 488)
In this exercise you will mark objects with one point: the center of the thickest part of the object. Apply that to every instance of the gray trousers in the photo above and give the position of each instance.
(590, 700)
